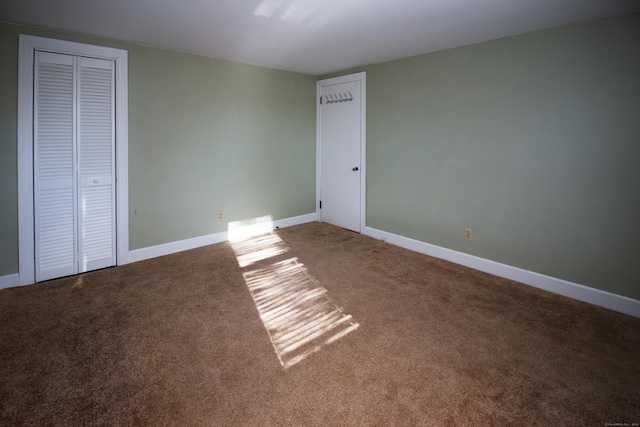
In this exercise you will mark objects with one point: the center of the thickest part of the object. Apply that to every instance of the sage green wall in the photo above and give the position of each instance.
(533, 141)
(205, 135)
(8, 153)
(209, 135)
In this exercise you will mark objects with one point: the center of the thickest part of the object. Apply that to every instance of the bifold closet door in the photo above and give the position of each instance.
(96, 160)
(74, 165)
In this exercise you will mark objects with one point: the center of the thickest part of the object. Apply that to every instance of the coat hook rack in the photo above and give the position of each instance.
(333, 98)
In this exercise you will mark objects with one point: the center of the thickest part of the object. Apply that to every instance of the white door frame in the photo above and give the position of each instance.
(362, 78)
(28, 46)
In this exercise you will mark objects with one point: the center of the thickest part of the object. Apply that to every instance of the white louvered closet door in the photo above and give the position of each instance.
(74, 166)
(54, 166)
(96, 161)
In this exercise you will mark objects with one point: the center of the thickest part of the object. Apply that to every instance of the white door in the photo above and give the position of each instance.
(74, 165)
(341, 140)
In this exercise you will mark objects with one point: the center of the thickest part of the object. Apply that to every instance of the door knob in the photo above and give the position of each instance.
(355, 169)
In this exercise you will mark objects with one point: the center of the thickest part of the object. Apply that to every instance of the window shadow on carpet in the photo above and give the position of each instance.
(296, 311)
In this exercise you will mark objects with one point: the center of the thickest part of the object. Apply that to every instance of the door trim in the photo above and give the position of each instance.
(362, 78)
(27, 46)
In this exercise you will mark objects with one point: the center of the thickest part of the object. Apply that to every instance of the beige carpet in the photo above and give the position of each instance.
(318, 327)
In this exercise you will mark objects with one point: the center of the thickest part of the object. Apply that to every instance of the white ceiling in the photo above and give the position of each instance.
(308, 36)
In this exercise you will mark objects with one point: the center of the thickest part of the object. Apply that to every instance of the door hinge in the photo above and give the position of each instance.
(320, 100)
(320, 204)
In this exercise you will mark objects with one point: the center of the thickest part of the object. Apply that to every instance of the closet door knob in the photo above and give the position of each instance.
(355, 169)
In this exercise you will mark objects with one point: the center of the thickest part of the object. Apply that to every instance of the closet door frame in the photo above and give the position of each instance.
(27, 46)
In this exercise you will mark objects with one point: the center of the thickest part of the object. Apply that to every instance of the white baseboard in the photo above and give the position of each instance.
(296, 220)
(576, 291)
(9, 281)
(174, 247)
(209, 239)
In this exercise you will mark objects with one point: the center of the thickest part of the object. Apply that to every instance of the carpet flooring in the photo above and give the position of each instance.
(311, 325)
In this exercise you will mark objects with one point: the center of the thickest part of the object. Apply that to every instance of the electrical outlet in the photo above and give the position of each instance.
(220, 215)
(468, 234)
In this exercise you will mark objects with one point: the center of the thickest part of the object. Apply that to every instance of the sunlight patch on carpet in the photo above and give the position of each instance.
(258, 248)
(252, 240)
(296, 311)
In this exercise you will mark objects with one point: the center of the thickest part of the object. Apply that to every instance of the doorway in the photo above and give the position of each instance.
(341, 151)
(72, 158)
